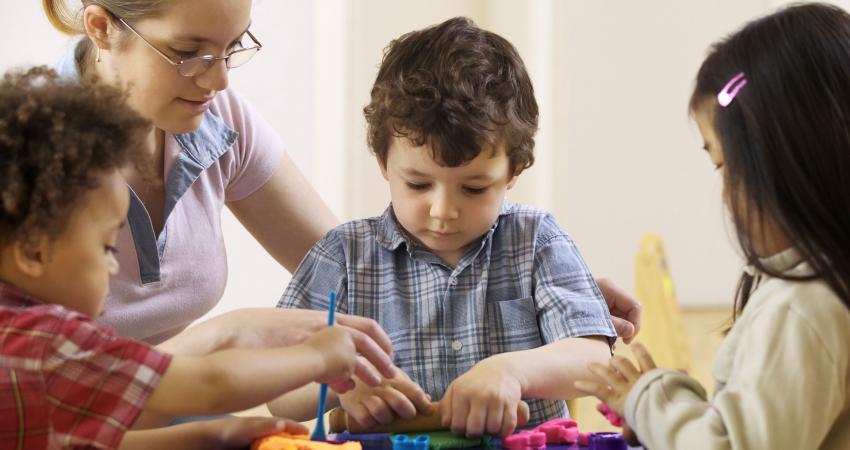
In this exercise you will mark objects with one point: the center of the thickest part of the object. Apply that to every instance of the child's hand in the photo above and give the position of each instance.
(484, 400)
(240, 432)
(396, 397)
(337, 350)
(614, 381)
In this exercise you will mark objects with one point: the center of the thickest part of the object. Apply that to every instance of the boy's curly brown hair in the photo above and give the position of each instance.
(456, 88)
(57, 139)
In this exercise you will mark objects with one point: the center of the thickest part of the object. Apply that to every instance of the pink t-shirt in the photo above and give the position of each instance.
(168, 281)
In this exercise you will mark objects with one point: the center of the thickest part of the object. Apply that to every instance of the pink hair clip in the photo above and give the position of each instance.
(728, 93)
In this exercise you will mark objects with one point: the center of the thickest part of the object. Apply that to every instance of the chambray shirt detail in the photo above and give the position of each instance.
(161, 288)
(523, 285)
(199, 150)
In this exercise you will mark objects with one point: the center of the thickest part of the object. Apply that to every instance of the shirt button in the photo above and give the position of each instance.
(453, 281)
(457, 345)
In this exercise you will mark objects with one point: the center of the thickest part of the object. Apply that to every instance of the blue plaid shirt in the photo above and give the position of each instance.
(523, 285)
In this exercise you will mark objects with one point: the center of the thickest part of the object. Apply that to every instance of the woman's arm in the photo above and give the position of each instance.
(233, 380)
(286, 215)
(279, 327)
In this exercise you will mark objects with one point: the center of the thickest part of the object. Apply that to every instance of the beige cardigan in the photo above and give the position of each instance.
(782, 377)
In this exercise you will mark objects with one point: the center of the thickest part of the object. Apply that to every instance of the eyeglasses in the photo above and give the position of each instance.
(193, 67)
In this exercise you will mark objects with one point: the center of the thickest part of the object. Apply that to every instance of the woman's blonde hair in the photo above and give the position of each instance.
(67, 17)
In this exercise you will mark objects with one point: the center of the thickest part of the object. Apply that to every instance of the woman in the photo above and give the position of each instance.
(209, 149)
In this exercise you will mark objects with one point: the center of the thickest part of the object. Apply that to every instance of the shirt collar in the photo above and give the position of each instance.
(12, 297)
(789, 261)
(391, 235)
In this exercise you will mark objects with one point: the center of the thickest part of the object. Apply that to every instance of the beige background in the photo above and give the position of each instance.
(617, 153)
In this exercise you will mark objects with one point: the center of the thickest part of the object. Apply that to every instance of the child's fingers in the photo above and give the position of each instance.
(625, 367)
(596, 389)
(608, 375)
(378, 409)
(398, 403)
(369, 327)
(366, 373)
(643, 357)
(495, 419)
(509, 420)
(445, 408)
(376, 355)
(413, 392)
(341, 387)
(460, 412)
(476, 419)
(359, 413)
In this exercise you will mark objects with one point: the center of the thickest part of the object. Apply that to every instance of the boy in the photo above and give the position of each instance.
(486, 303)
(66, 381)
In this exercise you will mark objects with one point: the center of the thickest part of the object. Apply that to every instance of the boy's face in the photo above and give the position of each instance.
(445, 209)
(80, 261)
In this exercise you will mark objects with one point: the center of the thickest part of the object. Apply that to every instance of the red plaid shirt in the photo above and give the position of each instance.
(66, 381)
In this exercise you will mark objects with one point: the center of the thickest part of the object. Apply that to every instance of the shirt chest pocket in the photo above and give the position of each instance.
(513, 325)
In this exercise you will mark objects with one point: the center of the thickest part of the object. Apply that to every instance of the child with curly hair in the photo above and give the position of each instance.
(65, 380)
(486, 302)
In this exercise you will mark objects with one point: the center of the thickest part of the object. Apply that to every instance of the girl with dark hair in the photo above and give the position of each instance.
(772, 102)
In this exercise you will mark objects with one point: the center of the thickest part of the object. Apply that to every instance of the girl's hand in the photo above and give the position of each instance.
(614, 381)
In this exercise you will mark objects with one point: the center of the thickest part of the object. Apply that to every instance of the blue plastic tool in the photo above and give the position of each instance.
(319, 431)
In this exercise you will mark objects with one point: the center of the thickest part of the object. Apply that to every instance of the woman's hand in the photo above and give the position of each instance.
(280, 327)
(625, 310)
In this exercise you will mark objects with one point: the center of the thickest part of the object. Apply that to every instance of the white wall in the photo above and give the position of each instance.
(617, 154)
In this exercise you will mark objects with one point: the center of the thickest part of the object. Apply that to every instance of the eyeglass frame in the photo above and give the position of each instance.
(208, 60)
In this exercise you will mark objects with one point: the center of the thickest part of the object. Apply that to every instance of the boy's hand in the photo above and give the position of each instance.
(340, 359)
(396, 397)
(238, 432)
(482, 401)
(614, 381)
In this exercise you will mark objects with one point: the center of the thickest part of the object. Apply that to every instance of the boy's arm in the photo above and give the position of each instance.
(567, 303)
(484, 399)
(548, 372)
(233, 380)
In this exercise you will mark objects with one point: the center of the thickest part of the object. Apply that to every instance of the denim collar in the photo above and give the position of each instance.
(199, 150)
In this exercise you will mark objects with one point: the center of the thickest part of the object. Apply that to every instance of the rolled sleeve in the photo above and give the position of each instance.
(320, 272)
(569, 303)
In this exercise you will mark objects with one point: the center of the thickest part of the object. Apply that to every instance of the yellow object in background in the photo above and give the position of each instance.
(661, 329)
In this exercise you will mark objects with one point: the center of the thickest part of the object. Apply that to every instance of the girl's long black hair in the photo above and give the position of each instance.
(785, 137)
